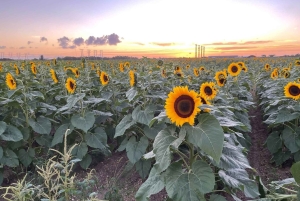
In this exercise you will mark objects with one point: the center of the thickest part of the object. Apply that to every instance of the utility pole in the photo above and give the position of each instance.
(196, 51)
(95, 54)
(2, 54)
(101, 54)
(81, 50)
(198, 56)
(88, 51)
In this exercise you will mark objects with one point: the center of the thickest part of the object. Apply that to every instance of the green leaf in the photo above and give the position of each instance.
(44, 140)
(2, 127)
(41, 126)
(151, 132)
(86, 161)
(291, 139)
(80, 150)
(274, 142)
(11, 134)
(162, 116)
(295, 170)
(191, 185)
(60, 133)
(143, 116)
(36, 94)
(1, 176)
(207, 135)
(143, 167)
(9, 158)
(123, 144)
(285, 115)
(161, 149)
(297, 156)
(1, 152)
(26, 133)
(98, 139)
(215, 197)
(135, 150)
(280, 157)
(24, 157)
(84, 123)
(151, 186)
(131, 93)
(71, 101)
(124, 124)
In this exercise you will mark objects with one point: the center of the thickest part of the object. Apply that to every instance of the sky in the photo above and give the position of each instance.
(150, 28)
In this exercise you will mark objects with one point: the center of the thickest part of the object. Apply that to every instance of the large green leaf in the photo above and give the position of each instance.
(286, 115)
(280, 157)
(11, 134)
(143, 167)
(24, 157)
(215, 197)
(60, 132)
(291, 139)
(189, 185)
(97, 139)
(143, 116)
(161, 148)
(135, 150)
(9, 158)
(86, 161)
(124, 124)
(131, 93)
(2, 127)
(42, 125)
(71, 101)
(151, 132)
(161, 117)
(295, 170)
(80, 150)
(274, 142)
(84, 123)
(151, 186)
(208, 135)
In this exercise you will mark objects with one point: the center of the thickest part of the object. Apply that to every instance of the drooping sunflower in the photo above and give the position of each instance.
(33, 69)
(206, 102)
(76, 72)
(201, 69)
(17, 69)
(242, 64)
(297, 62)
(10, 81)
(182, 105)
(104, 78)
(163, 73)
(267, 67)
(53, 76)
(287, 74)
(177, 69)
(54, 62)
(70, 85)
(127, 64)
(196, 72)
(132, 78)
(187, 66)
(220, 77)
(274, 74)
(121, 67)
(234, 69)
(208, 90)
(292, 90)
(179, 74)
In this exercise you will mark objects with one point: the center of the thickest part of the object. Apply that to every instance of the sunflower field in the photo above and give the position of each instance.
(183, 123)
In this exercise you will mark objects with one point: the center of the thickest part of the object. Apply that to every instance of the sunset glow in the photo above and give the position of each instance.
(152, 28)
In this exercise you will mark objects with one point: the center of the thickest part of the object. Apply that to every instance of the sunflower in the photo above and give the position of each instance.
(187, 66)
(33, 69)
(245, 69)
(76, 72)
(221, 82)
(163, 73)
(297, 62)
(132, 78)
(201, 69)
(54, 62)
(287, 74)
(127, 64)
(208, 90)
(206, 102)
(1, 67)
(234, 69)
(220, 75)
(179, 74)
(177, 69)
(160, 62)
(53, 76)
(196, 72)
(241, 64)
(10, 81)
(274, 74)
(98, 72)
(17, 69)
(121, 67)
(70, 85)
(292, 90)
(104, 78)
(298, 80)
(267, 67)
(182, 105)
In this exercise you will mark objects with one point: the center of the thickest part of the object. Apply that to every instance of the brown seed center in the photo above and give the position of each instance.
(105, 78)
(184, 106)
(72, 85)
(208, 91)
(234, 69)
(294, 90)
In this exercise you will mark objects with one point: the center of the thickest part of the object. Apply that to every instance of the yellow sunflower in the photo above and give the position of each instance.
(234, 69)
(10, 81)
(182, 105)
(76, 72)
(245, 69)
(177, 69)
(127, 64)
(187, 66)
(206, 102)
(163, 73)
(201, 69)
(160, 62)
(267, 67)
(104, 78)
(292, 90)
(297, 62)
(54, 62)
(53, 76)
(98, 72)
(196, 72)
(17, 69)
(179, 74)
(286, 74)
(132, 78)
(1, 67)
(241, 64)
(274, 74)
(121, 67)
(220, 75)
(221, 82)
(208, 90)
(33, 69)
(70, 85)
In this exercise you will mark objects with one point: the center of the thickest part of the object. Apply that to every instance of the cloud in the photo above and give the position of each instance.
(162, 44)
(43, 39)
(237, 43)
(112, 39)
(64, 42)
(29, 42)
(78, 41)
(137, 43)
(235, 48)
(22, 47)
(90, 40)
(2, 47)
(257, 42)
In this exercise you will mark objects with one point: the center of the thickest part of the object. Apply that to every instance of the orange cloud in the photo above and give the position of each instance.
(162, 44)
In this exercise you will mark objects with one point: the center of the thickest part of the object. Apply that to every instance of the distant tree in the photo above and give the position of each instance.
(271, 55)
(42, 57)
(263, 55)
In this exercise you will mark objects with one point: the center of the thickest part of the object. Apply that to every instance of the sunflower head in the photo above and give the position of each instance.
(17, 69)
(234, 69)
(54, 62)
(187, 66)
(70, 85)
(33, 69)
(297, 62)
(245, 69)
(267, 67)
(205, 102)
(121, 67)
(292, 90)
(163, 73)
(104, 78)
(241, 64)
(10, 81)
(196, 72)
(132, 78)
(274, 74)
(208, 90)
(76, 72)
(53, 76)
(160, 62)
(182, 106)
(201, 69)
(127, 64)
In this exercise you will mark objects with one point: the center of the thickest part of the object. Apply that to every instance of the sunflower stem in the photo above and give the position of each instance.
(182, 156)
